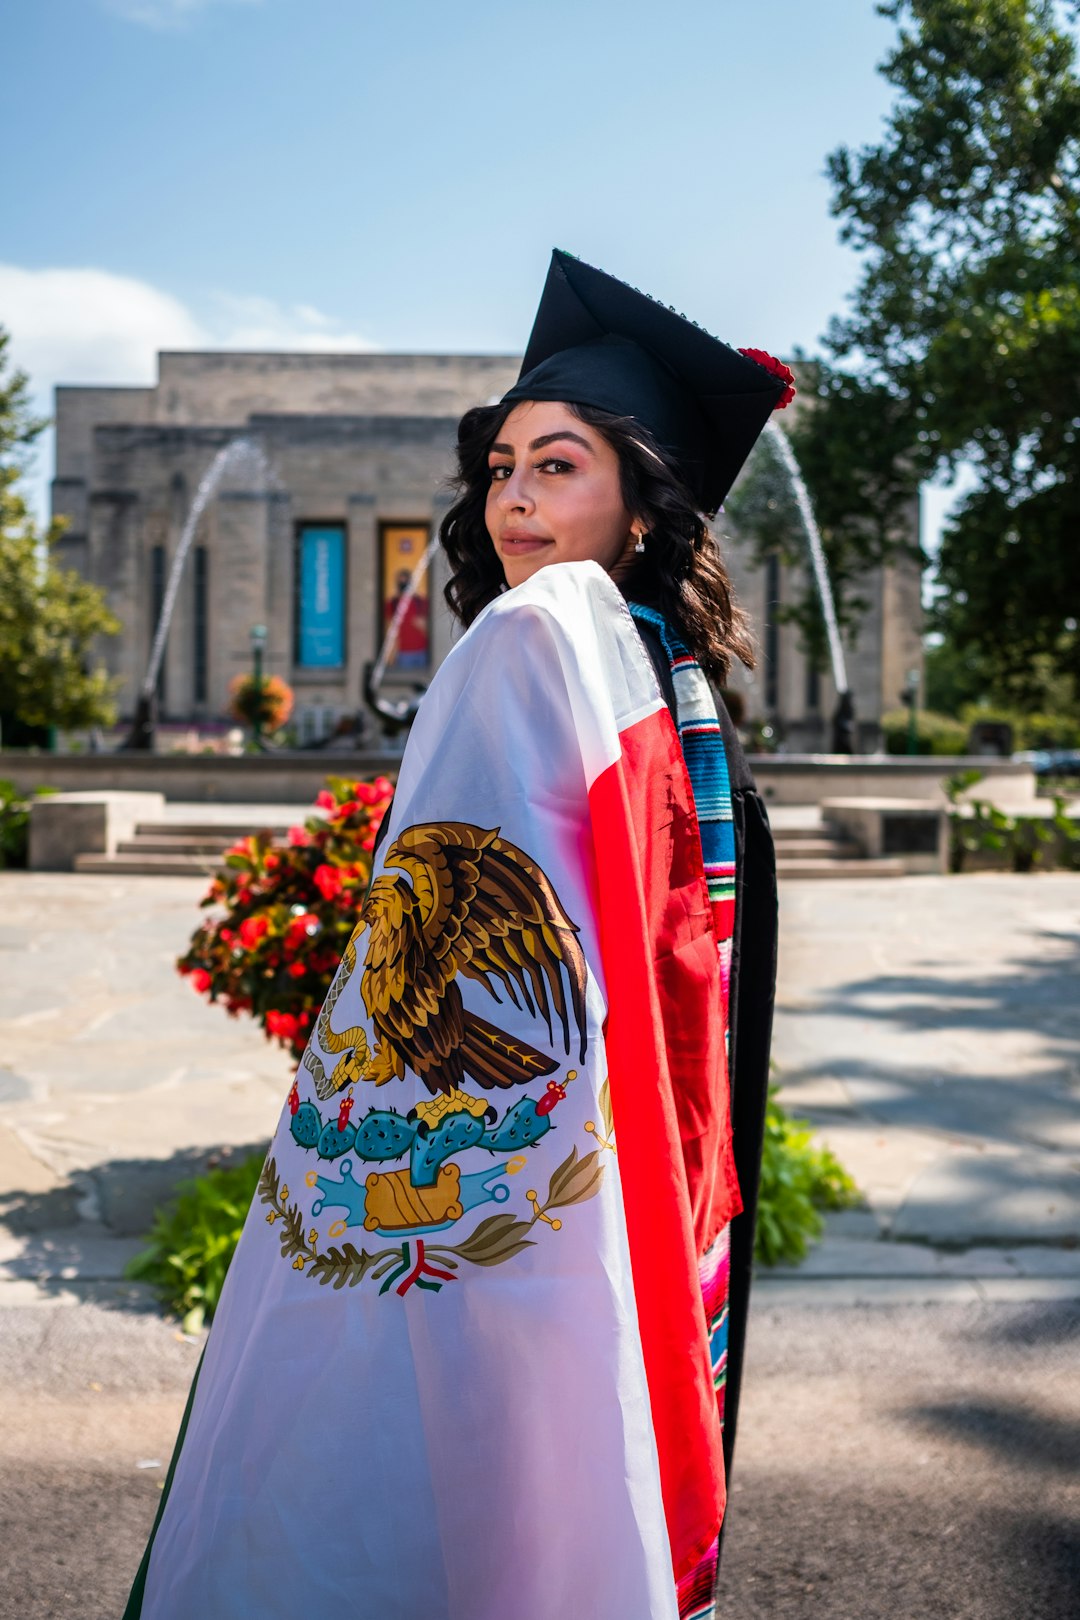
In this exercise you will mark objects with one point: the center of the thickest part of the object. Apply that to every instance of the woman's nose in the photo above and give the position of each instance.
(513, 492)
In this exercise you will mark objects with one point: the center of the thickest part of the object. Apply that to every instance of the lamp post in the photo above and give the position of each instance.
(258, 643)
(843, 724)
(911, 698)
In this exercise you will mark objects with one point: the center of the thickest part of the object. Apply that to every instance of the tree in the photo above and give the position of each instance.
(962, 342)
(49, 616)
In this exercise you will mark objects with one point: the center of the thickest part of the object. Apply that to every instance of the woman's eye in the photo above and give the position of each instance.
(499, 473)
(555, 465)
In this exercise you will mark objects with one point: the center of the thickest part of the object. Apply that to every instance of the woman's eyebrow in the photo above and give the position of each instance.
(563, 433)
(544, 439)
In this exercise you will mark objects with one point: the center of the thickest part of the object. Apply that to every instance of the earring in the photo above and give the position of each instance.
(640, 546)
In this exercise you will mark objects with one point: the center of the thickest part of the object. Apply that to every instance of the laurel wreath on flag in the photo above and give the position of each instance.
(414, 1262)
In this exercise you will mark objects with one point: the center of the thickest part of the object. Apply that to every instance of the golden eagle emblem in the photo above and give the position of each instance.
(455, 899)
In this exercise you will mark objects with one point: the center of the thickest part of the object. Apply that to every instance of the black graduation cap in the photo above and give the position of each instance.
(596, 341)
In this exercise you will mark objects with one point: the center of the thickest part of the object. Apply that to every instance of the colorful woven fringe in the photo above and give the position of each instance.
(706, 764)
(707, 767)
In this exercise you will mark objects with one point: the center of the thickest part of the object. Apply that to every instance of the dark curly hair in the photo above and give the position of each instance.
(681, 572)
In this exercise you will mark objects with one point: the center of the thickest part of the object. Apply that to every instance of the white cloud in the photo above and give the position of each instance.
(92, 326)
(260, 323)
(166, 13)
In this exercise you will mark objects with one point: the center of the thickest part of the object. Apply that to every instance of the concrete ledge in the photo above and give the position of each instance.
(295, 778)
(914, 831)
(292, 778)
(93, 822)
(809, 778)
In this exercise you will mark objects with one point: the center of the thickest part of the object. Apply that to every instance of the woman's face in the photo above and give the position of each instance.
(555, 494)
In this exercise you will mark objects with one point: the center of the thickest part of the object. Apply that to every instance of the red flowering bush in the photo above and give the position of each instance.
(271, 702)
(287, 911)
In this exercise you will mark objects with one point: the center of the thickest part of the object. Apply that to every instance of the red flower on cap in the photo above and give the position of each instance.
(776, 368)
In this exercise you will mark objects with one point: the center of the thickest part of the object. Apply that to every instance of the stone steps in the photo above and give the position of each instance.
(840, 849)
(805, 849)
(846, 868)
(176, 848)
(150, 865)
(162, 844)
(223, 832)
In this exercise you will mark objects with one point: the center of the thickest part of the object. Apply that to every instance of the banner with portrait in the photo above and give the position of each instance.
(403, 603)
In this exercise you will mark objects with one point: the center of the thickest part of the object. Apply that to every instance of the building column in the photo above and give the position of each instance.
(240, 541)
(115, 566)
(362, 586)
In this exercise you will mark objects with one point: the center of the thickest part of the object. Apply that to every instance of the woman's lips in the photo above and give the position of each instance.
(518, 543)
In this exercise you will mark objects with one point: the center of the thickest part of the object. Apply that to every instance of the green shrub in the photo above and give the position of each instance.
(798, 1181)
(934, 733)
(14, 825)
(15, 822)
(1029, 730)
(193, 1238)
(1050, 731)
(959, 782)
(1068, 830)
(1024, 842)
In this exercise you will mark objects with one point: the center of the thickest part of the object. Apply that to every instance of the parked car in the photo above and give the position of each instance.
(1052, 761)
(1038, 758)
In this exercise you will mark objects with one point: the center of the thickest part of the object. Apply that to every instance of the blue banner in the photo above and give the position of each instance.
(321, 619)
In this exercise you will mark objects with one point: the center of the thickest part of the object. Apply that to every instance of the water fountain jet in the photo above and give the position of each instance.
(234, 454)
(397, 714)
(843, 738)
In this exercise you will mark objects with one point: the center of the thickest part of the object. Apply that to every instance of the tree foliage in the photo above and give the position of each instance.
(49, 616)
(962, 342)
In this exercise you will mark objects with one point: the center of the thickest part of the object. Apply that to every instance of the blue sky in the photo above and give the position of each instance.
(339, 173)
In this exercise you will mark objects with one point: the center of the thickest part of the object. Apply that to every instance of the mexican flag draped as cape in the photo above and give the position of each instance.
(461, 1366)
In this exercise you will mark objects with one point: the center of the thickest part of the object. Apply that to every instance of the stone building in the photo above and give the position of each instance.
(315, 537)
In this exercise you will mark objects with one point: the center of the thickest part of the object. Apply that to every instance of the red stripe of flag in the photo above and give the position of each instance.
(669, 1099)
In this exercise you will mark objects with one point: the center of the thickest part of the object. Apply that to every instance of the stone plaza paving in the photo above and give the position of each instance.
(929, 1028)
(911, 1424)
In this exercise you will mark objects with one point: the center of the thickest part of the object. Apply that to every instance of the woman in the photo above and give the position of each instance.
(483, 1411)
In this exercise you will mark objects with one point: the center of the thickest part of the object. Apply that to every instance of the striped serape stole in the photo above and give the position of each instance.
(707, 767)
(706, 764)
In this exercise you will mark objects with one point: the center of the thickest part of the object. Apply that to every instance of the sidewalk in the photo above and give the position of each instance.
(928, 1027)
(116, 1079)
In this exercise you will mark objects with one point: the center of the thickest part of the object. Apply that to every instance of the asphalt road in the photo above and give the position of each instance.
(914, 1456)
(899, 1461)
(903, 1461)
